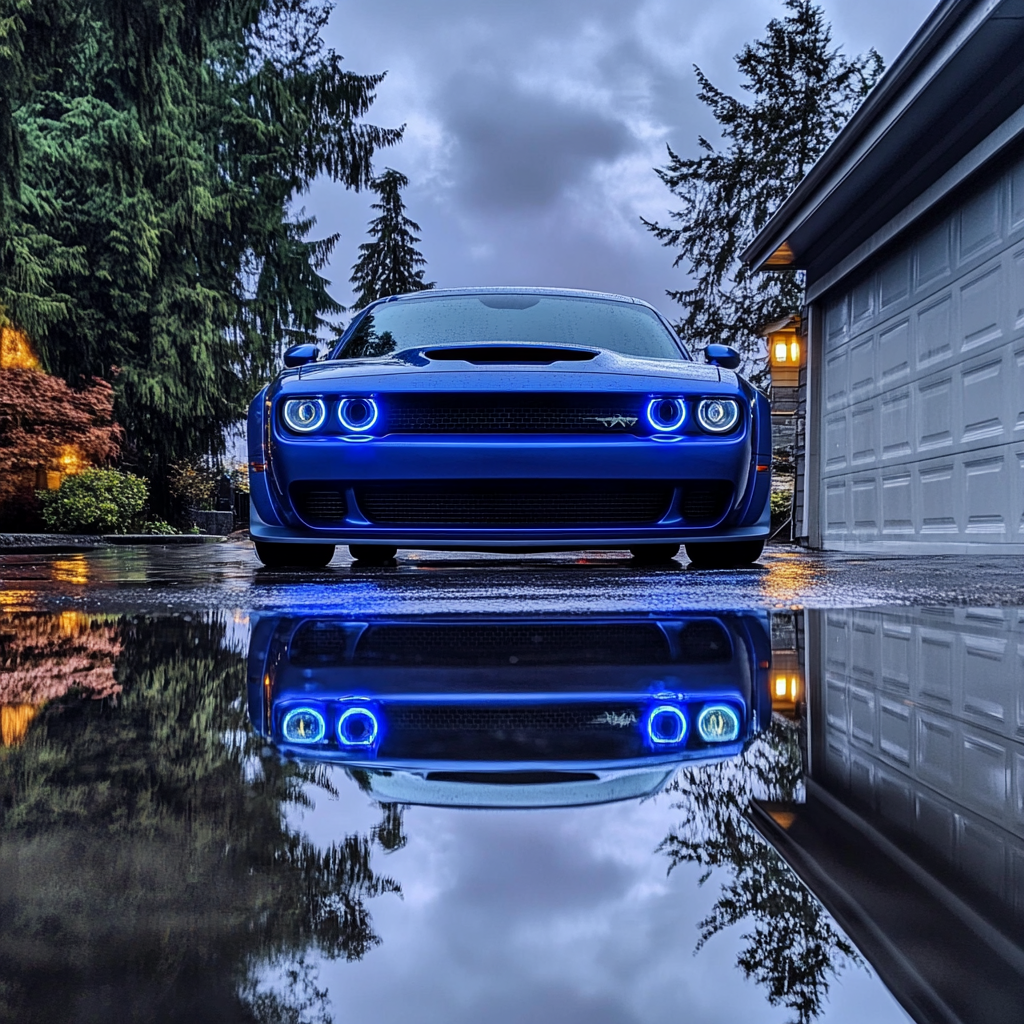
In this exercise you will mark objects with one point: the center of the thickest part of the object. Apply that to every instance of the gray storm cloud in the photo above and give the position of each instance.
(534, 127)
(522, 150)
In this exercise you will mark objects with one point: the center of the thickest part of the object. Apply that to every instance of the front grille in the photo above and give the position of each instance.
(704, 503)
(516, 503)
(525, 645)
(513, 414)
(320, 505)
(476, 718)
(539, 731)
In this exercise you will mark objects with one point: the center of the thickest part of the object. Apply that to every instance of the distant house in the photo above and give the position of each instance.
(911, 231)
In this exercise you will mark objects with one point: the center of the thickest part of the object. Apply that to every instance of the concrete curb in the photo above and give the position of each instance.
(58, 543)
(164, 538)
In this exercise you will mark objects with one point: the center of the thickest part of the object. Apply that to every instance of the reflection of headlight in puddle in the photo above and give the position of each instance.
(303, 725)
(357, 727)
(718, 723)
(666, 725)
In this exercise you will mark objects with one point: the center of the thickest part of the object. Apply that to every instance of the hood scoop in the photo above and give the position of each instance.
(517, 355)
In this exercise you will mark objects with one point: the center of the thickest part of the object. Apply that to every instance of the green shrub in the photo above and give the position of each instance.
(158, 526)
(96, 501)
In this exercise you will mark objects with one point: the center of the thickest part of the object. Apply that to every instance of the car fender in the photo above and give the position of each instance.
(259, 469)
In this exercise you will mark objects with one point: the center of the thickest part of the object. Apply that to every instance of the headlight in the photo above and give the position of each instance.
(718, 723)
(304, 415)
(666, 414)
(666, 724)
(303, 725)
(718, 415)
(357, 727)
(357, 414)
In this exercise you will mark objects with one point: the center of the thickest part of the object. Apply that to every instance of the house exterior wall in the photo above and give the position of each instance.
(920, 418)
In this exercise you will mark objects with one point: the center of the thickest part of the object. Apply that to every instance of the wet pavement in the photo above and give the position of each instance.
(228, 575)
(514, 789)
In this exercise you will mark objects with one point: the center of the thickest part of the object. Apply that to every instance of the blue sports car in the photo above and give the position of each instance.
(511, 711)
(509, 419)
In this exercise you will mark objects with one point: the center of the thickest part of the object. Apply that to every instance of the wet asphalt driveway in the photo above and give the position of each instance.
(514, 789)
(228, 576)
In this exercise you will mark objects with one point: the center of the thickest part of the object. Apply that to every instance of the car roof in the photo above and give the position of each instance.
(576, 293)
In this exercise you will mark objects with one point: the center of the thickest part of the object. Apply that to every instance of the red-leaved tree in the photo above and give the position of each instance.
(43, 420)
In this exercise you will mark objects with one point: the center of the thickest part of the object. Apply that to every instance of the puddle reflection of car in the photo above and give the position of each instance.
(511, 712)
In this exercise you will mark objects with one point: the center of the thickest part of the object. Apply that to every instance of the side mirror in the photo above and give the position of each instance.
(724, 356)
(299, 355)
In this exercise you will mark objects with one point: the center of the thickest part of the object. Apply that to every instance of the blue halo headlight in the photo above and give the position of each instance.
(303, 725)
(718, 415)
(666, 414)
(357, 414)
(357, 727)
(666, 724)
(304, 415)
(718, 723)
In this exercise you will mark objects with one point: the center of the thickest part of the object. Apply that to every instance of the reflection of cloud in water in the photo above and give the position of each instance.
(563, 914)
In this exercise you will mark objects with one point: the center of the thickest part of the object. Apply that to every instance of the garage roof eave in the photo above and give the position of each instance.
(932, 50)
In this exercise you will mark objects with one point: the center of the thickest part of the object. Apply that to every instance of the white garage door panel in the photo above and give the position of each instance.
(923, 387)
(938, 751)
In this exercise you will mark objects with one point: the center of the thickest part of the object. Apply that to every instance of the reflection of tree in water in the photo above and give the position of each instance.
(146, 869)
(791, 946)
(390, 831)
(366, 343)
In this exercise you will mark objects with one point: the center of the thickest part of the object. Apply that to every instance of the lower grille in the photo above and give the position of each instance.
(704, 642)
(320, 505)
(704, 503)
(516, 503)
(523, 645)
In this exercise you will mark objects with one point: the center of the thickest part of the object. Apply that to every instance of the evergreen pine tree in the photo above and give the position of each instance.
(147, 234)
(390, 264)
(802, 91)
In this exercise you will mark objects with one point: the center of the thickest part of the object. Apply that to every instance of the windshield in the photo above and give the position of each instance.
(622, 327)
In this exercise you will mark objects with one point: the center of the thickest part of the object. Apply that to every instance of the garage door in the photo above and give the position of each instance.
(922, 429)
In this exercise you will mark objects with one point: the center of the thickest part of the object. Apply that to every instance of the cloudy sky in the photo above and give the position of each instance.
(566, 915)
(533, 126)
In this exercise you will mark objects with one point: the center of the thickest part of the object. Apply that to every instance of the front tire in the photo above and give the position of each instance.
(372, 554)
(654, 554)
(293, 556)
(724, 556)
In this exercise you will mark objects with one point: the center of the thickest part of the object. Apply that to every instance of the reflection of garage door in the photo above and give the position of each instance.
(923, 385)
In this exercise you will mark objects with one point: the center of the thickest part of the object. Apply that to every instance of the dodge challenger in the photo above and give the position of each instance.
(509, 419)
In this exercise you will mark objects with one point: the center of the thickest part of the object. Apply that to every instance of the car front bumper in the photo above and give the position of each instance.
(348, 465)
